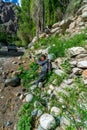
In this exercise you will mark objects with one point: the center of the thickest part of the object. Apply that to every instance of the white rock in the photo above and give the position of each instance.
(33, 87)
(47, 121)
(54, 66)
(55, 30)
(49, 91)
(85, 81)
(84, 1)
(72, 25)
(84, 9)
(43, 35)
(29, 97)
(77, 70)
(40, 85)
(74, 63)
(68, 82)
(84, 15)
(56, 111)
(51, 87)
(34, 39)
(55, 25)
(38, 52)
(82, 64)
(59, 72)
(76, 50)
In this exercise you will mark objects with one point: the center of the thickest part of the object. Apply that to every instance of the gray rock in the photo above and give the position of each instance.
(73, 63)
(59, 72)
(77, 71)
(40, 85)
(74, 51)
(82, 64)
(47, 121)
(84, 16)
(40, 112)
(8, 123)
(15, 81)
(36, 104)
(33, 87)
(68, 81)
(29, 98)
(34, 112)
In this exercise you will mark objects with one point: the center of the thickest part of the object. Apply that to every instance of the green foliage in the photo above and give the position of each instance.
(26, 25)
(66, 66)
(59, 46)
(75, 107)
(30, 75)
(54, 77)
(25, 121)
(6, 38)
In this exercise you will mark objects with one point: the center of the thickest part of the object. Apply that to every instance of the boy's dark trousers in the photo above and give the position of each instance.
(41, 78)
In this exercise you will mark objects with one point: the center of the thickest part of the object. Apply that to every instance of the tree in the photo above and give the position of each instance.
(37, 12)
(26, 29)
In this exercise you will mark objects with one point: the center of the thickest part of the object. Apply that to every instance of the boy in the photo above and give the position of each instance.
(46, 67)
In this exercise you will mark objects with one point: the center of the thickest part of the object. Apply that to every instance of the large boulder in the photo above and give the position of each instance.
(47, 121)
(14, 81)
(74, 51)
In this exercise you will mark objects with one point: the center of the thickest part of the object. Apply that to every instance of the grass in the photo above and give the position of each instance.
(58, 46)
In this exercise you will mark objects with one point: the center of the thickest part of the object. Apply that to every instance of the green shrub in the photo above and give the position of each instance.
(30, 75)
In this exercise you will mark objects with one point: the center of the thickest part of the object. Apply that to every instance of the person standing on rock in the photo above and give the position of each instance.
(46, 67)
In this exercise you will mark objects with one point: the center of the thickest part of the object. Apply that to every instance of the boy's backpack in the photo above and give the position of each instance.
(49, 65)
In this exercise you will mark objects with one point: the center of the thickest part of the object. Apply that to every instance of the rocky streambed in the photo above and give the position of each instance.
(9, 101)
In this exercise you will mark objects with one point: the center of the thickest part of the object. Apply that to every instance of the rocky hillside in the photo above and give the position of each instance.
(59, 103)
(71, 25)
(8, 19)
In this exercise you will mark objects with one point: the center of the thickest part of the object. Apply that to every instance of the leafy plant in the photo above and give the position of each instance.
(30, 75)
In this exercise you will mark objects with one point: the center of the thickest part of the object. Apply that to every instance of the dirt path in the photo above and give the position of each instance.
(9, 102)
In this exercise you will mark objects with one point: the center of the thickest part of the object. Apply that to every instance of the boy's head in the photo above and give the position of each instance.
(43, 57)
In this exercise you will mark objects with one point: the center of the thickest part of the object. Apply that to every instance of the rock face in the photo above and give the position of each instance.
(47, 121)
(8, 19)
